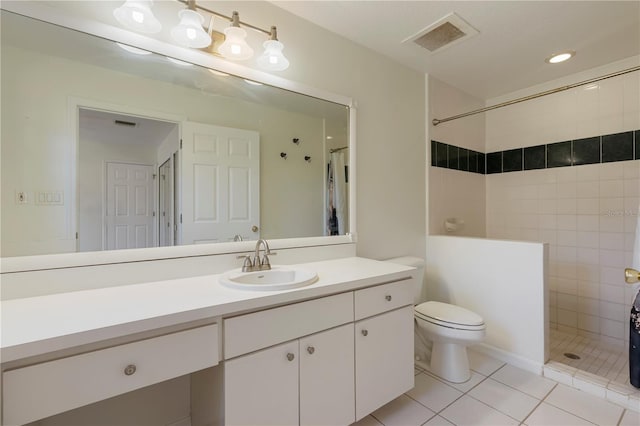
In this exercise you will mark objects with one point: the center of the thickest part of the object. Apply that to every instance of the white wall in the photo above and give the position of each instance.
(455, 193)
(586, 213)
(503, 282)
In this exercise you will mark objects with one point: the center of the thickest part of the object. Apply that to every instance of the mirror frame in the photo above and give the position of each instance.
(45, 13)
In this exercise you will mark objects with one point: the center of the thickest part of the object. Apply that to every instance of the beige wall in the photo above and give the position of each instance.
(454, 193)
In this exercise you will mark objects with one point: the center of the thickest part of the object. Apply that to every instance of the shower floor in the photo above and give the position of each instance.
(603, 359)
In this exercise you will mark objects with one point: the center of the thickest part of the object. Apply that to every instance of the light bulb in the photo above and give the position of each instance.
(189, 31)
(272, 59)
(235, 47)
(137, 16)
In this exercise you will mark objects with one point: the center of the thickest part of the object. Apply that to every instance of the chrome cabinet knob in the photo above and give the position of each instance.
(254, 228)
(311, 350)
(290, 356)
(130, 369)
(388, 297)
(365, 332)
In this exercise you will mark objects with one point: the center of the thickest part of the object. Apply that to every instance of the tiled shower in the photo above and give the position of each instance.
(562, 169)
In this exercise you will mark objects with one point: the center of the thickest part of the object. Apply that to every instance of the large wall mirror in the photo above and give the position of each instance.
(108, 147)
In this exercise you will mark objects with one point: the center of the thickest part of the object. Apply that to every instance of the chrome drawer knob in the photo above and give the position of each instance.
(365, 332)
(290, 356)
(311, 350)
(388, 297)
(129, 370)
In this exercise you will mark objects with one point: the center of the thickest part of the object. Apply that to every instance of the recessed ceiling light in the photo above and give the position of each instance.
(255, 83)
(132, 49)
(560, 57)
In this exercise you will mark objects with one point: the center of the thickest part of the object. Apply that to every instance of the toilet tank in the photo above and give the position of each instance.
(417, 276)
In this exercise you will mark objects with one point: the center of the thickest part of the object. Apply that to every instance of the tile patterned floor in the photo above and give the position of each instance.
(599, 358)
(498, 394)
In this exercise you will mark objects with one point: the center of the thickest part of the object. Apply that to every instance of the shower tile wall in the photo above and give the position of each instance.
(586, 212)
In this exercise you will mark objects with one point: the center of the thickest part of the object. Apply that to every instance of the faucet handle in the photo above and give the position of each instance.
(247, 264)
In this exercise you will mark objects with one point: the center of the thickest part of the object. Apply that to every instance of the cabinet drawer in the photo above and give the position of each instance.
(248, 333)
(41, 390)
(374, 300)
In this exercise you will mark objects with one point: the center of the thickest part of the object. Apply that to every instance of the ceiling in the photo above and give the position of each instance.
(514, 37)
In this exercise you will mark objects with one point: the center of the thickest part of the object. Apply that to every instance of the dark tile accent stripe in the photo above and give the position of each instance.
(598, 149)
(535, 157)
(452, 151)
(512, 160)
(494, 162)
(617, 147)
(559, 154)
(586, 151)
(456, 158)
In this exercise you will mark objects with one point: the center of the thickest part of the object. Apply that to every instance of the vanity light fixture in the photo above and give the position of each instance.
(191, 32)
(556, 58)
(272, 59)
(235, 46)
(137, 15)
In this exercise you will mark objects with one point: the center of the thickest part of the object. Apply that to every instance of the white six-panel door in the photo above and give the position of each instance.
(129, 221)
(220, 183)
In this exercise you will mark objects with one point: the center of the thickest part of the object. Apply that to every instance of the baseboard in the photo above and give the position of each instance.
(510, 358)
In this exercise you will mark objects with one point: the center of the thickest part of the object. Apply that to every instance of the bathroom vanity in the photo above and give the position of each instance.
(327, 353)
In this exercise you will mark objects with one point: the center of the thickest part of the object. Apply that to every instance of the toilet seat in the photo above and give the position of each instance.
(450, 316)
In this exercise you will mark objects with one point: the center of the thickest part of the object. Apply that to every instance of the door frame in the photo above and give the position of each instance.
(74, 105)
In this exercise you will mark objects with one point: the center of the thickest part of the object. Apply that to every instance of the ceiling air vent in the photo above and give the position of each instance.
(125, 123)
(443, 33)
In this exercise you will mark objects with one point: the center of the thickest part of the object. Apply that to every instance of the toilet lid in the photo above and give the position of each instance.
(449, 313)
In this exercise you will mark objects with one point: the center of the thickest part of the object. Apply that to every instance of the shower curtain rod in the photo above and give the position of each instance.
(331, 151)
(437, 121)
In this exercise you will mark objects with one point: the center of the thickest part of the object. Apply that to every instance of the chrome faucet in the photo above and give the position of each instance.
(258, 264)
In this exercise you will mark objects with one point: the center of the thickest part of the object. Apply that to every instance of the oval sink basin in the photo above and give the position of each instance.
(276, 278)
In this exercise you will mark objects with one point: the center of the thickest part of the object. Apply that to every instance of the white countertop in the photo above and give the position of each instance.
(38, 325)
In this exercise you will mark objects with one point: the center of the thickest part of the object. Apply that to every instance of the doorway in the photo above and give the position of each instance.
(118, 187)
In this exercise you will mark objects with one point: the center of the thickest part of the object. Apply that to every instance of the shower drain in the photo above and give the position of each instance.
(572, 356)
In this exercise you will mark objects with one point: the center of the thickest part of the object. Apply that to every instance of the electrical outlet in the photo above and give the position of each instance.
(21, 197)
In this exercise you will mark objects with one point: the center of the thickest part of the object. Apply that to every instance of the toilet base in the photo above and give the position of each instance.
(450, 362)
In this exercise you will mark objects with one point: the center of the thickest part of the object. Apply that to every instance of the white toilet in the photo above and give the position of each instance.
(449, 327)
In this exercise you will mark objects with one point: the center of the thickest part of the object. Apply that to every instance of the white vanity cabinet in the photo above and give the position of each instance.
(328, 361)
(383, 345)
(308, 380)
(37, 391)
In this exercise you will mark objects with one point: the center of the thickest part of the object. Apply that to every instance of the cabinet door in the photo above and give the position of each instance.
(384, 359)
(262, 388)
(326, 377)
